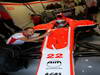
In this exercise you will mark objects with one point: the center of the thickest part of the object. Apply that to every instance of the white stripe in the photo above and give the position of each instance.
(86, 25)
(8, 41)
(69, 32)
(53, 47)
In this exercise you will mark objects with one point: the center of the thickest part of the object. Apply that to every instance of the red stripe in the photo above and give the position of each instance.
(23, 4)
(12, 41)
(10, 4)
(71, 64)
(38, 2)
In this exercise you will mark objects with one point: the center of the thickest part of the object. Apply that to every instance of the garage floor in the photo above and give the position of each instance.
(31, 70)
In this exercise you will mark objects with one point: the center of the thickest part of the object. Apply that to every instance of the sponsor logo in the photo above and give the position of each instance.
(53, 73)
(58, 55)
(54, 64)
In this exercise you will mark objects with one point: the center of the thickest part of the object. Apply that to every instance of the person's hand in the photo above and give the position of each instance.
(48, 32)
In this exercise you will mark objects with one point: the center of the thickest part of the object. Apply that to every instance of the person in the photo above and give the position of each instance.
(27, 35)
(21, 44)
(92, 9)
(36, 19)
(60, 22)
(6, 19)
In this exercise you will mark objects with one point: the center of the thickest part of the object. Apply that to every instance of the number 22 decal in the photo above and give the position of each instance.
(58, 55)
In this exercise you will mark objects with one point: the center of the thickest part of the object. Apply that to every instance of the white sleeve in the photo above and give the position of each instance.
(18, 35)
(8, 40)
(35, 35)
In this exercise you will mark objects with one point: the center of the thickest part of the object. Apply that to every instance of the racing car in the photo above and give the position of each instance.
(57, 50)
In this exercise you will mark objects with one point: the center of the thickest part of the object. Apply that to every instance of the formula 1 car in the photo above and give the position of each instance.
(57, 50)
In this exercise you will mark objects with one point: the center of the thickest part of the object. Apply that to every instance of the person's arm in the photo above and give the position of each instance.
(34, 39)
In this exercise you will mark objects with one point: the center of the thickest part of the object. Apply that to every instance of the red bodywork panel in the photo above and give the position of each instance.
(58, 38)
(60, 41)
